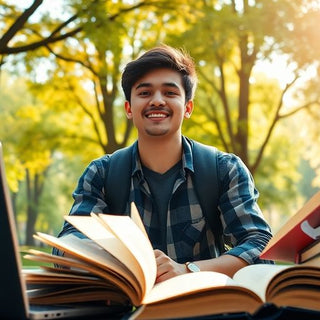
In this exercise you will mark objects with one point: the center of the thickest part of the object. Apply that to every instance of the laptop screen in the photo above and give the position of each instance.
(13, 301)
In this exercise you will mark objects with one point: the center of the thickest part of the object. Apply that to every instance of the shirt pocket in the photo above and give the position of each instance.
(190, 237)
(193, 229)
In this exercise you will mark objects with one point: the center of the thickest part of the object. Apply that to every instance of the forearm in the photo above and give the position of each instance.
(168, 268)
(226, 264)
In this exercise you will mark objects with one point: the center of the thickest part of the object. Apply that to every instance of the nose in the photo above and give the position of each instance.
(157, 99)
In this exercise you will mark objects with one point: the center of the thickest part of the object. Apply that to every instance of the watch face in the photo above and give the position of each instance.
(192, 267)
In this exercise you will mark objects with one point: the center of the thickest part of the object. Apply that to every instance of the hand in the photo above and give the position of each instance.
(166, 267)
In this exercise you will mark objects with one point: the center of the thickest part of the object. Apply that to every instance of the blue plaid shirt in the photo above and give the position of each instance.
(189, 237)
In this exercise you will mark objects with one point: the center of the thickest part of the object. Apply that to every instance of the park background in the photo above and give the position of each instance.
(61, 104)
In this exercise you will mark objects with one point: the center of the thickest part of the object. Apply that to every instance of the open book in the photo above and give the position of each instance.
(118, 266)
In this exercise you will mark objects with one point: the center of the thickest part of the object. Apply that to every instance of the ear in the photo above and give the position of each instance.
(188, 110)
(127, 107)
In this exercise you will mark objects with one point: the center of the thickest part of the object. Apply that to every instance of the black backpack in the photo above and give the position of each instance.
(206, 184)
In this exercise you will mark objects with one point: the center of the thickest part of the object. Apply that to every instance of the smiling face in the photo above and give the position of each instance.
(157, 106)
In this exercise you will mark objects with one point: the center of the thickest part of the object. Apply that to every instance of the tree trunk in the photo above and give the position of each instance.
(243, 127)
(242, 136)
(34, 191)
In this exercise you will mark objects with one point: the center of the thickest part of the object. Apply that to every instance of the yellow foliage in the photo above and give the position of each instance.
(39, 162)
(29, 112)
(15, 172)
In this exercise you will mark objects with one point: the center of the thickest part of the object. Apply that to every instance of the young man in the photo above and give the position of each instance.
(159, 87)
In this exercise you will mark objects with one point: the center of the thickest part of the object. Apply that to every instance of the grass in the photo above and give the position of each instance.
(31, 264)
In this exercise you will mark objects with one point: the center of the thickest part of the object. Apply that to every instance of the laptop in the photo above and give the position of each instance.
(13, 294)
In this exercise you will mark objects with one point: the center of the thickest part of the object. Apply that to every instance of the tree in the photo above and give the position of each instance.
(32, 136)
(235, 37)
(18, 27)
(229, 39)
(83, 75)
(91, 64)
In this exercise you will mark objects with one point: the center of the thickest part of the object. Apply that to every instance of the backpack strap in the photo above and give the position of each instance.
(207, 186)
(118, 180)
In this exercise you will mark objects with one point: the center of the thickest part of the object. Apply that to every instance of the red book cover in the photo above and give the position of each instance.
(300, 231)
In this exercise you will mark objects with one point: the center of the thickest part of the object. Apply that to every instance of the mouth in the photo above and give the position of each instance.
(157, 114)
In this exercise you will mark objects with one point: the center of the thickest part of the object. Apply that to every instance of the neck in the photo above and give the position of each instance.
(160, 154)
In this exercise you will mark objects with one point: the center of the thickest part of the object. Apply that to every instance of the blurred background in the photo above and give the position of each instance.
(61, 104)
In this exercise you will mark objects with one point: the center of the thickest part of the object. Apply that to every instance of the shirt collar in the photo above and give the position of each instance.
(187, 156)
(136, 163)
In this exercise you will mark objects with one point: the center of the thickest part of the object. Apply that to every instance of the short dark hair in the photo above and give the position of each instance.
(160, 57)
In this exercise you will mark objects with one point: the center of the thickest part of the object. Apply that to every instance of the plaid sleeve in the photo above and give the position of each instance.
(89, 195)
(243, 222)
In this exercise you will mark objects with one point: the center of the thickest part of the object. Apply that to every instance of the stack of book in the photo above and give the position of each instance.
(116, 264)
(298, 241)
(311, 253)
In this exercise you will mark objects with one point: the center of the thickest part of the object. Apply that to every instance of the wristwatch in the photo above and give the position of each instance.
(192, 267)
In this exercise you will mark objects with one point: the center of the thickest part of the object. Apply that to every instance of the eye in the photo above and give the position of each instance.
(171, 93)
(144, 93)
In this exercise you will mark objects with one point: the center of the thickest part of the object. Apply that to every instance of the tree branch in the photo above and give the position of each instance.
(69, 59)
(38, 44)
(218, 126)
(91, 116)
(276, 118)
(305, 106)
(221, 93)
(18, 24)
(64, 24)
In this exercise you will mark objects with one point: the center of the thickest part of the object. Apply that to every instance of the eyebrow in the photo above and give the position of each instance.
(148, 85)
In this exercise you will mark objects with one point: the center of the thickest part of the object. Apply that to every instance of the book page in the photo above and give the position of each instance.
(78, 272)
(313, 262)
(310, 251)
(135, 240)
(256, 277)
(135, 216)
(90, 252)
(192, 283)
(37, 274)
(91, 226)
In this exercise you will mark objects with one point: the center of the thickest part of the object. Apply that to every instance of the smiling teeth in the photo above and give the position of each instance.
(157, 115)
